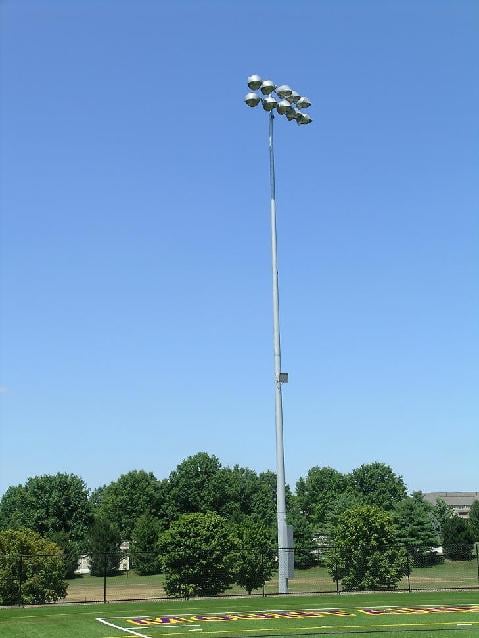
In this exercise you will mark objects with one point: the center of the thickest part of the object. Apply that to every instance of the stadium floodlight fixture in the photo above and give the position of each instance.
(303, 103)
(303, 118)
(252, 99)
(267, 87)
(288, 103)
(294, 97)
(284, 107)
(254, 82)
(269, 103)
(292, 114)
(284, 91)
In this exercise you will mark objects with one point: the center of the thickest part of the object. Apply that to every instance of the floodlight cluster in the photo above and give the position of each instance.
(282, 98)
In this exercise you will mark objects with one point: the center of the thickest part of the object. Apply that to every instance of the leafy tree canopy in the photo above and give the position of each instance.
(49, 504)
(195, 486)
(199, 555)
(366, 553)
(240, 485)
(263, 507)
(123, 501)
(442, 512)
(316, 494)
(377, 484)
(458, 539)
(416, 527)
(144, 545)
(104, 547)
(415, 524)
(255, 558)
(474, 520)
(345, 501)
(201, 484)
(31, 570)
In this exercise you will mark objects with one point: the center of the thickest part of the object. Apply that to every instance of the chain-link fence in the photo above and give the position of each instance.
(318, 569)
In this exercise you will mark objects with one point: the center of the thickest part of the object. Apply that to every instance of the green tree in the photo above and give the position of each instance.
(240, 485)
(144, 546)
(343, 502)
(415, 529)
(263, 505)
(458, 539)
(54, 505)
(123, 501)
(305, 540)
(255, 556)
(199, 555)
(376, 484)
(13, 513)
(71, 550)
(195, 485)
(317, 493)
(31, 569)
(104, 547)
(365, 554)
(474, 520)
(442, 513)
(48, 504)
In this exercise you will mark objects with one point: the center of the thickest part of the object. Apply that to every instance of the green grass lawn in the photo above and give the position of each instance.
(81, 621)
(130, 586)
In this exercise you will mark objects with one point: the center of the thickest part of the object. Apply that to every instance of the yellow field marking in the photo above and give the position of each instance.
(340, 628)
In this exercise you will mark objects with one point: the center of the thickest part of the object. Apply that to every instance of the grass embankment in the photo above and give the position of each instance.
(130, 586)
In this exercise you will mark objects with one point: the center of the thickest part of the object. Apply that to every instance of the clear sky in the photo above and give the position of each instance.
(136, 286)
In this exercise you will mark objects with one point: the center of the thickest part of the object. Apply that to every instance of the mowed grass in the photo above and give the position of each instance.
(130, 586)
(80, 621)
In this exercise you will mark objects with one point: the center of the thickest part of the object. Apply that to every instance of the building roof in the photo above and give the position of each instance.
(456, 499)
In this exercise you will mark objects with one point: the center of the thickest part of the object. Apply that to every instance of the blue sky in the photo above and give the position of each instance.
(136, 285)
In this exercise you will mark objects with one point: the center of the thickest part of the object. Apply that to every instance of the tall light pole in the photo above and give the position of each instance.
(288, 103)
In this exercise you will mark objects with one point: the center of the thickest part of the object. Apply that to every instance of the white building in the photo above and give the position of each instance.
(459, 501)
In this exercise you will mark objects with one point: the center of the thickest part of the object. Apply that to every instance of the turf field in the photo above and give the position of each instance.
(438, 614)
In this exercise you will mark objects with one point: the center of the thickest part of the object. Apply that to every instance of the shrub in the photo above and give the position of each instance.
(199, 555)
(31, 568)
(458, 539)
(365, 553)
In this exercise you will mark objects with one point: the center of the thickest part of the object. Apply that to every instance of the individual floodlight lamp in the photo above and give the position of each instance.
(304, 118)
(284, 107)
(267, 87)
(294, 97)
(269, 103)
(303, 103)
(252, 99)
(284, 91)
(254, 82)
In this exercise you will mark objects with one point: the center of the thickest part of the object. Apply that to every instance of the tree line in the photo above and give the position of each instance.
(208, 526)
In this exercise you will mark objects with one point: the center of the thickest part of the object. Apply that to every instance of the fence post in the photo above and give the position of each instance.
(477, 560)
(20, 581)
(336, 576)
(104, 577)
(408, 571)
(262, 571)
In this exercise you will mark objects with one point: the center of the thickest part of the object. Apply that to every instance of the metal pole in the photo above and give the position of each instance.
(104, 576)
(20, 581)
(280, 477)
(477, 559)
